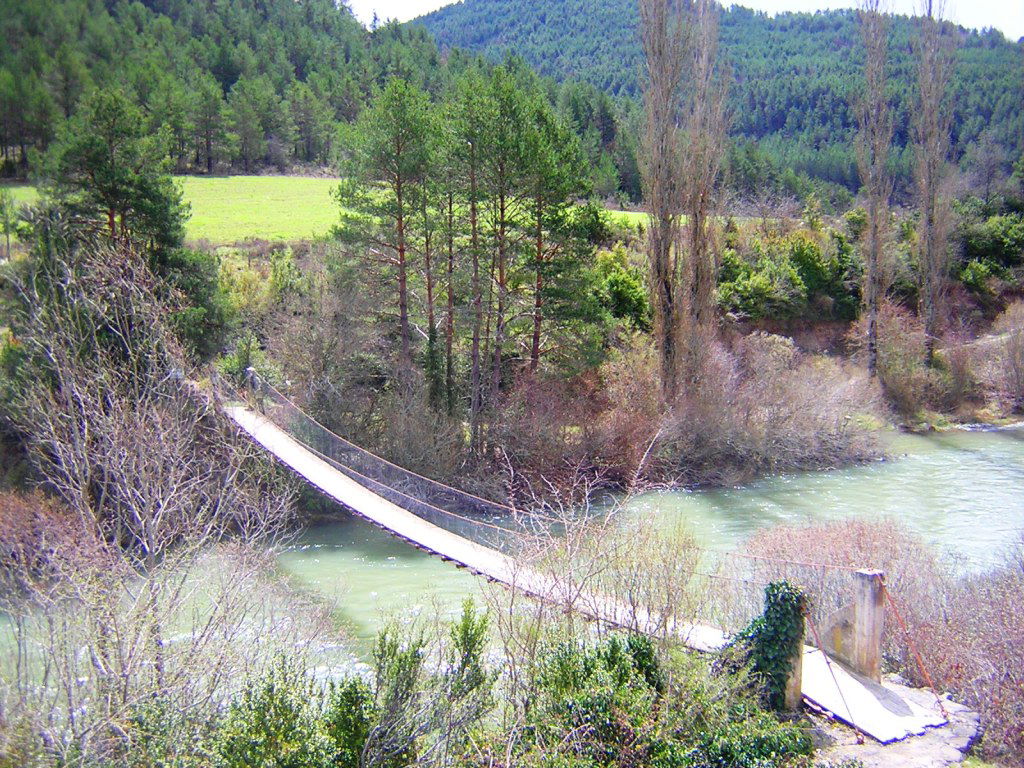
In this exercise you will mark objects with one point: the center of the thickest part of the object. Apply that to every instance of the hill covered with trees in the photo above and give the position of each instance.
(242, 84)
(793, 76)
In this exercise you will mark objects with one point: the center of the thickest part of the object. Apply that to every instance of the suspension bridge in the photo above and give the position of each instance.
(416, 510)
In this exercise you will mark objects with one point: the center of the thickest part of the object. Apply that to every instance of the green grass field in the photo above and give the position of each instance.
(22, 194)
(231, 209)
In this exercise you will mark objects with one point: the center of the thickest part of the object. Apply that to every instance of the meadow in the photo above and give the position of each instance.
(233, 209)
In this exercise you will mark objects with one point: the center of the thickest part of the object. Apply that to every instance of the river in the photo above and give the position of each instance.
(962, 491)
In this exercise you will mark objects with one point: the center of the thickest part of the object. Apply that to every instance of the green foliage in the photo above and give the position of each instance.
(467, 641)
(774, 639)
(598, 692)
(770, 286)
(274, 723)
(349, 716)
(617, 703)
(622, 289)
(247, 353)
(998, 240)
(976, 276)
(108, 167)
(785, 276)
(203, 319)
(752, 743)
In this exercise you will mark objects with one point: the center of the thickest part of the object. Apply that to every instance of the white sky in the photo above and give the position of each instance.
(1006, 15)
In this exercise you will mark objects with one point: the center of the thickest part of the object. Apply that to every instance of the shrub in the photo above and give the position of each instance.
(274, 723)
(348, 717)
(622, 289)
(998, 239)
(909, 384)
(247, 353)
(203, 315)
(631, 415)
(977, 276)
(615, 704)
(767, 407)
(1009, 373)
(768, 286)
(787, 275)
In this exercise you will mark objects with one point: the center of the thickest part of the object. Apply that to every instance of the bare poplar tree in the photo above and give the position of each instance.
(662, 36)
(701, 170)
(932, 127)
(874, 142)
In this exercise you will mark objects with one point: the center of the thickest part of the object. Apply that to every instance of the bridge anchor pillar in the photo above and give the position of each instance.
(868, 624)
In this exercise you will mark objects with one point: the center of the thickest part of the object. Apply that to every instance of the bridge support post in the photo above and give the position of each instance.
(795, 682)
(868, 624)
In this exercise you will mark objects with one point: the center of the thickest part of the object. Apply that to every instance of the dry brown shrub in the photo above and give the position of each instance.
(908, 384)
(544, 433)
(632, 413)
(767, 407)
(1009, 372)
(38, 539)
(974, 649)
(912, 571)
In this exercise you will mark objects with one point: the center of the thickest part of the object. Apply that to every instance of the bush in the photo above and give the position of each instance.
(348, 717)
(768, 286)
(909, 385)
(203, 313)
(275, 723)
(767, 407)
(788, 275)
(631, 415)
(999, 239)
(615, 704)
(1009, 373)
(977, 276)
(622, 289)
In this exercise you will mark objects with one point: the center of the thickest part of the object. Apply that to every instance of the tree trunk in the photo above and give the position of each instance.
(433, 364)
(449, 326)
(661, 31)
(538, 301)
(403, 279)
(499, 317)
(476, 384)
(873, 146)
(933, 129)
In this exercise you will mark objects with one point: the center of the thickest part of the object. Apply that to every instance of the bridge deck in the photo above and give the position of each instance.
(875, 709)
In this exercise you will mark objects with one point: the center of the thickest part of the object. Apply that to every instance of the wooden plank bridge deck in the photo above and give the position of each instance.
(875, 709)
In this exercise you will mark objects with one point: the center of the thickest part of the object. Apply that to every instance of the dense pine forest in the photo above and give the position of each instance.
(246, 86)
(794, 77)
(239, 85)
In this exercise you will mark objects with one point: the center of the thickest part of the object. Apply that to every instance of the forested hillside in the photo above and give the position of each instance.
(242, 83)
(793, 76)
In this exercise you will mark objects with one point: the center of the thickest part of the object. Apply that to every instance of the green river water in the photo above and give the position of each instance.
(963, 491)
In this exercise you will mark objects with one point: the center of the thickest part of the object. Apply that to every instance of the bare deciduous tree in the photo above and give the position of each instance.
(705, 130)
(662, 36)
(931, 130)
(873, 146)
(160, 597)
